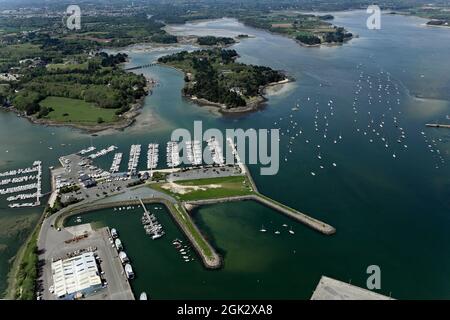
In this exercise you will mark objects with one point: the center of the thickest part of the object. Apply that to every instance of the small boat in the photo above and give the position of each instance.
(114, 233)
(291, 231)
(277, 232)
(129, 271)
(118, 244)
(143, 296)
(123, 257)
(262, 229)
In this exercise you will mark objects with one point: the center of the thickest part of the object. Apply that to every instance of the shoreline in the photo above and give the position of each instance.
(260, 99)
(127, 118)
(256, 104)
(327, 44)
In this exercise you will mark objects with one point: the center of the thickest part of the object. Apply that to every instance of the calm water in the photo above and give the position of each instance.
(392, 212)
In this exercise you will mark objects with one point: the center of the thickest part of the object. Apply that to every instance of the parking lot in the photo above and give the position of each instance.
(80, 179)
(116, 285)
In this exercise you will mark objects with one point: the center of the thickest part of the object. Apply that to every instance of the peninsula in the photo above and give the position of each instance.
(307, 29)
(213, 77)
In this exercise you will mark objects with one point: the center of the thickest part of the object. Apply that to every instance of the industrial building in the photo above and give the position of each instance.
(76, 276)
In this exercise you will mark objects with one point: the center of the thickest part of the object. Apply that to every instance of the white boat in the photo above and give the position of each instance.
(143, 296)
(118, 244)
(157, 236)
(129, 271)
(114, 233)
(277, 232)
(123, 257)
(291, 231)
(262, 229)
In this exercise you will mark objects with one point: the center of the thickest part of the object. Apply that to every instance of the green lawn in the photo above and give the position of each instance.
(68, 110)
(229, 187)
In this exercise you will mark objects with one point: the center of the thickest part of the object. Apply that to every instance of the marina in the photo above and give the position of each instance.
(14, 177)
(135, 153)
(87, 150)
(151, 225)
(363, 174)
(173, 154)
(216, 151)
(115, 166)
(102, 152)
(194, 152)
(152, 156)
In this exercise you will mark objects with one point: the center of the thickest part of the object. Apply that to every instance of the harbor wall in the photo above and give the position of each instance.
(313, 223)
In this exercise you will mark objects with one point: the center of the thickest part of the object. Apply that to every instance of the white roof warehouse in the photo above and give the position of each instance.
(74, 275)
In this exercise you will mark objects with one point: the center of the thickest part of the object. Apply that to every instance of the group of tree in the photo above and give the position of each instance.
(212, 41)
(309, 39)
(339, 35)
(102, 83)
(217, 77)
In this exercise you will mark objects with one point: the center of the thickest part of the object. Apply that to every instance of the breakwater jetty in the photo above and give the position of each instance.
(313, 223)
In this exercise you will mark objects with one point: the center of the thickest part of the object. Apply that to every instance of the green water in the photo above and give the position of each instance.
(390, 212)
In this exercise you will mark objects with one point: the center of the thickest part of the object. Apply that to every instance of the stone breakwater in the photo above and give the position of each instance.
(313, 223)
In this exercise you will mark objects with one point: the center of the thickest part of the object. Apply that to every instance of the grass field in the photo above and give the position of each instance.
(67, 66)
(20, 51)
(68, 110)
(201, 189)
